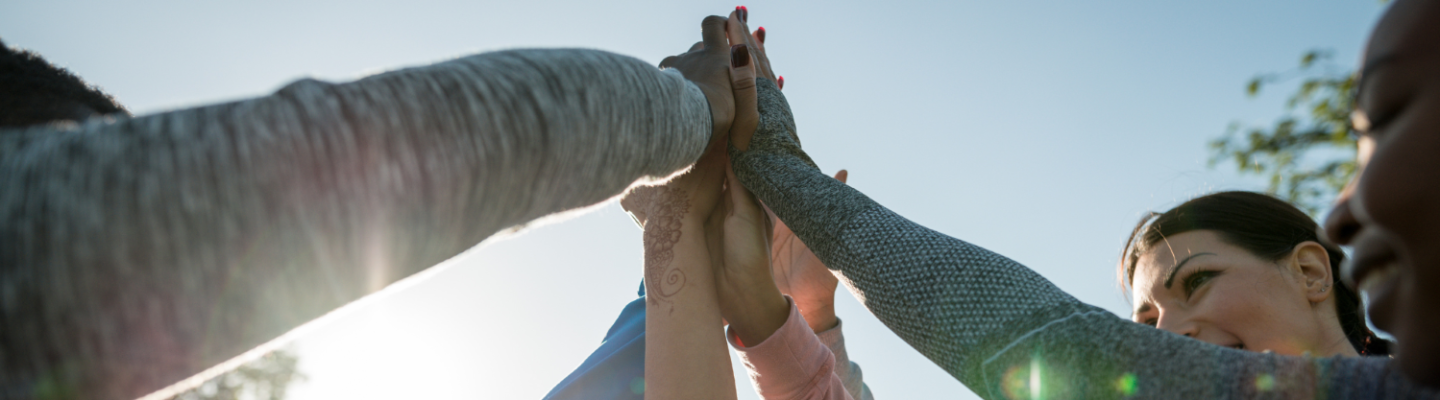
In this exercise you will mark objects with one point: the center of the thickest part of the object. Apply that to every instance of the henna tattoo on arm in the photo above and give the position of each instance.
(665, 209)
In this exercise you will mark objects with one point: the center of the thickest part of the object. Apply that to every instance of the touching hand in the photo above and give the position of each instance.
(800, 274)
(721, 74)
(752, 45)
(737, 233)
(707, 64)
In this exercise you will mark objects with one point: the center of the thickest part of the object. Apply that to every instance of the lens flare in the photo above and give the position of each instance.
(1265, 382)
(1035, 378)
(1126, 385)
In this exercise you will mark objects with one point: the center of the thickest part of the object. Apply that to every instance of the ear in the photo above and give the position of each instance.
(1312, 262)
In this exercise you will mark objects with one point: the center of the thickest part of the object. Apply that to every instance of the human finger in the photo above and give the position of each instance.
(742, 83)
(712, 31)
(738, 31)
(842, 175)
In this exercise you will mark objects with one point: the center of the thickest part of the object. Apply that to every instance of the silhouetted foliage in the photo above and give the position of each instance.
(266, 378)
(1308, 158)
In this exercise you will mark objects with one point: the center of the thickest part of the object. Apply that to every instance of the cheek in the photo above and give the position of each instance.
(1234, 306)
(1254, 310)
(1400, 186)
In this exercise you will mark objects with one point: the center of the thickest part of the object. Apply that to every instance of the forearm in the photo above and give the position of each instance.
(791, 363)
(180, 240)
(940, 294)
(999, 327)
(685, 354)
(752, 305)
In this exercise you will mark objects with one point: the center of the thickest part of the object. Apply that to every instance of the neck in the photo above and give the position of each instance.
(1332, 341)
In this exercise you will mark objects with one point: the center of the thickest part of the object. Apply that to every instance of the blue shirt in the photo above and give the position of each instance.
(616, 370)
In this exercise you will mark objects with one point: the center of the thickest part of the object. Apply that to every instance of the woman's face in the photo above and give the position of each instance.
(1390, 215)
(1197, 285)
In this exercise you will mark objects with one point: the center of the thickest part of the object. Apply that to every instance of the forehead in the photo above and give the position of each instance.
(1408, 28)
(1160, 257)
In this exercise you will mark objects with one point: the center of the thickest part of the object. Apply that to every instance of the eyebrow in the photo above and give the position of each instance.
(1170, 277)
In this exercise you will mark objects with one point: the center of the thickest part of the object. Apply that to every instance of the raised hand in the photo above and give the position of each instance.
(800, 274)
(705, 64)
(677, 209)
(737, 234)
(747, 117)
(737, 30)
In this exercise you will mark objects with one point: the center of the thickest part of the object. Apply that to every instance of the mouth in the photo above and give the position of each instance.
(1375, 272)
(1376, 278)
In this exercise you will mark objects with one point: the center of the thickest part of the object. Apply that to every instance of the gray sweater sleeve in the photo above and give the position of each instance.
(137, 252)
(999, 327)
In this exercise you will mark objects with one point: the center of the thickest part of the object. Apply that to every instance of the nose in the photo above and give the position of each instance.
(1341, 225)
(1175, 324)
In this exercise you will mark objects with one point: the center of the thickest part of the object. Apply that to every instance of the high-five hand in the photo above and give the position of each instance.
(800, 274)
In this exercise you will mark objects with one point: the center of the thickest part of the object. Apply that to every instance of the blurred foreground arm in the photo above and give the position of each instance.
(138, 252)
(1000, 328)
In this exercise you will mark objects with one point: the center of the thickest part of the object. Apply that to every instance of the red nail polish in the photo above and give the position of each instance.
(780, 81)
(739, 56)
(760, 34)
(744, 14)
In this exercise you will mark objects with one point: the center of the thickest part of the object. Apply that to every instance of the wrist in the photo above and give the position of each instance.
(758, 318)
(820, 319)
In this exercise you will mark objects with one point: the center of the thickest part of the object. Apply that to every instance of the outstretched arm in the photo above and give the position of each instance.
(999, 327)
(139, 252)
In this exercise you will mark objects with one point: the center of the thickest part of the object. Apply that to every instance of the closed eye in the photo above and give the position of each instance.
(1197, 279)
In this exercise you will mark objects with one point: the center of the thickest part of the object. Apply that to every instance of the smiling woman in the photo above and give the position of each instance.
(1247, 271)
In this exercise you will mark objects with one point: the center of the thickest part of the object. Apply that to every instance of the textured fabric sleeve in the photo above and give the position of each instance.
(791, 364)
(940, 294)
(848, 371)
(137, 252)
(999, 327)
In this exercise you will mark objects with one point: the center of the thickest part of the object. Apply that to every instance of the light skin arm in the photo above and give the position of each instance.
(685, 354)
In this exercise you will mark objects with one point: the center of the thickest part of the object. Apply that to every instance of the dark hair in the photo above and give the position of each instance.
(33, 91)
(1265, 226)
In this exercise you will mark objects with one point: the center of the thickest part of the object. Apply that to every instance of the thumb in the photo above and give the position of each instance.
(842, 175)
(742, 82)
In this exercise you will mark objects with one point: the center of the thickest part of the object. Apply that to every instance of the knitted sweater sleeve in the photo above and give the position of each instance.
(1000, 328)
(137, 252)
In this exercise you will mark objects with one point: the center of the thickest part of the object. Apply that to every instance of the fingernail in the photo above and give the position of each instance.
(760, 33)
(780, 81)
(744, 14)
(739, 56)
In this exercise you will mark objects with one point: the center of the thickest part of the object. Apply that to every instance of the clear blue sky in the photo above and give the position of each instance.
(1038, 129)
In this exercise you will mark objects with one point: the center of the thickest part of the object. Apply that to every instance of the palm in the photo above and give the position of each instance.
(800, 274)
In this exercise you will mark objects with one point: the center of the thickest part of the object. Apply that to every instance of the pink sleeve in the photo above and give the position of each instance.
(848, 371)
(792, 363)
